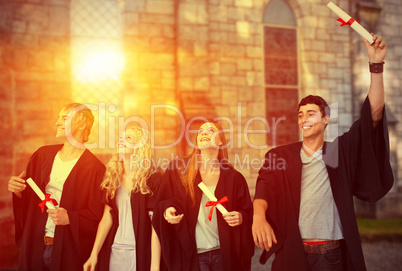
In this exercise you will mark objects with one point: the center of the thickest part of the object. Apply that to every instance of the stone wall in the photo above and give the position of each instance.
(150, 80)
(199, 58)
(388, 25)
(34, 83)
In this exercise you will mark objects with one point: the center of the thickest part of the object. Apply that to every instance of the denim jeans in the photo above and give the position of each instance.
(330, 261)
(210, 260)
(47, 257)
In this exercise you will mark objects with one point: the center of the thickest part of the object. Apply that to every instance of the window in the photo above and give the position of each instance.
(96, 51)
(281, 73)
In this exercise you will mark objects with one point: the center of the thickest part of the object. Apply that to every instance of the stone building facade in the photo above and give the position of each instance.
(246, 61)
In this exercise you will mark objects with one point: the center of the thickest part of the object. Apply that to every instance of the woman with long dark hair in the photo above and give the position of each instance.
(195, 236)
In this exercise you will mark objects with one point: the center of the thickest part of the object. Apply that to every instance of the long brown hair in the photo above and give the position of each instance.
(188, 171)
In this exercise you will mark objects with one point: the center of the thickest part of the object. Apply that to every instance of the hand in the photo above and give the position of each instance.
(233, 218)
(171, 217)
(90, 264)
(59, 216)
(263, 233)
(376, 51)
(17, 184)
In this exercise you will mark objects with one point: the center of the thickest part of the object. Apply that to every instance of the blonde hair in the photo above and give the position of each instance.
(115, 169)
(188, 174)
(82, 116)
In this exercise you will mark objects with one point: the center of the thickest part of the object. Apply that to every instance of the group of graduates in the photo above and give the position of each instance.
(133, 216)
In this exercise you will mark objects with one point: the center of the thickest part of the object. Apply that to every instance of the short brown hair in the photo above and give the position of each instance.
(319, 101)
(84, 116)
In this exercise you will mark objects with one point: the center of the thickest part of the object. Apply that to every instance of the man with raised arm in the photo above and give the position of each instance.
(303, 208)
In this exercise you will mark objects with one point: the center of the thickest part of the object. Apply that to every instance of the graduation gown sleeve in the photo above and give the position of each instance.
(237, 245)
(367, 151)
(177, 244)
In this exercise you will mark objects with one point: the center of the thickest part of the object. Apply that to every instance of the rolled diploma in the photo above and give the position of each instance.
(355, 25)
(212, 197)
(39, 192)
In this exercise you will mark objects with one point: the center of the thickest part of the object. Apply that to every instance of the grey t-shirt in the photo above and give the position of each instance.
(319, 217)
(123, 256)
(206, 232)
(124, 238)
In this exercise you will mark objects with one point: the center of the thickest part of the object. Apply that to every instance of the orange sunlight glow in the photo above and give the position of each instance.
(95, 66)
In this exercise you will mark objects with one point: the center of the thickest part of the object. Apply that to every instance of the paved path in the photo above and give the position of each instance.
(379, 256)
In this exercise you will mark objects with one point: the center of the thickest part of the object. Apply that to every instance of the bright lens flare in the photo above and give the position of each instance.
(98, 66)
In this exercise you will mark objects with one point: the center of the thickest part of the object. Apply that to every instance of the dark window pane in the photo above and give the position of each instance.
(282, 116)
(280, 49)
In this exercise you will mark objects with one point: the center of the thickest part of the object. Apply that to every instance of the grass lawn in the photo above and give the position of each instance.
(380, 229)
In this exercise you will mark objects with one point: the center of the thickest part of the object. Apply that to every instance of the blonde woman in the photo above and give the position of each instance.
(123, 240)
(194, 237)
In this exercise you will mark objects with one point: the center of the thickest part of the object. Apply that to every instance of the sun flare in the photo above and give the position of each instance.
(99, 65)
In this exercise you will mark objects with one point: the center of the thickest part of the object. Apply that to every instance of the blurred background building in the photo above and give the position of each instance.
(164, 63)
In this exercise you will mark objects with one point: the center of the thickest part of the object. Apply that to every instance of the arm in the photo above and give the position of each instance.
(21, 205)
(155, 251)
(103, 229)
(376, 53)
(263, 233)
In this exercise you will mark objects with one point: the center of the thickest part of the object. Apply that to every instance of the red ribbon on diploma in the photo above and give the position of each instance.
(47, 198)
(350, 22)
(214, 203)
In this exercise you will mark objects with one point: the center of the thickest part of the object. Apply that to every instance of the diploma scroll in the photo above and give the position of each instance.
(350, 21)
(36, 189)
(212, 197)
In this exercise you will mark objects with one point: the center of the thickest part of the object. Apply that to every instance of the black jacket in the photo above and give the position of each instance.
(140, 205)
(179, 249)
(81, 197)
(358, 165)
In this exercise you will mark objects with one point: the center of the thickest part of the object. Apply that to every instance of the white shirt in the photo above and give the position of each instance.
(58, 176)
(206, 232)
(125, 237)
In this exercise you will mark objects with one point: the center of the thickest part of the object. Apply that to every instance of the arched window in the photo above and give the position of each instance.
(96, 51)
(281, 72)
(97, 64)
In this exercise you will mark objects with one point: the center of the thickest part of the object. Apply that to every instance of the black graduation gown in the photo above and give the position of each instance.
(140, 205)
(81, 197)
(179, 248)
(358, 165)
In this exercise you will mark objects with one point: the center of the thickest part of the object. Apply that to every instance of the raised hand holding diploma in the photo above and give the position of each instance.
(377, 50)
(345, 19)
